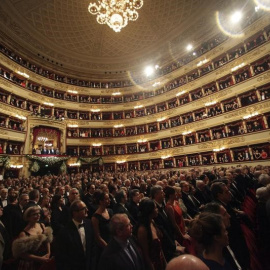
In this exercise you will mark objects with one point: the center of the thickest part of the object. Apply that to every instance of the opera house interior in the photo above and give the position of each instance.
(147, 104)
(178, 87)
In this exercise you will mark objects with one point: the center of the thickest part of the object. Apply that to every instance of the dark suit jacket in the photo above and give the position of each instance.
(120, 209)
(164, 224)
(115, 258)
(192, 209)
(133, 209)
(204, 196)
(13, 220)
(69, 253)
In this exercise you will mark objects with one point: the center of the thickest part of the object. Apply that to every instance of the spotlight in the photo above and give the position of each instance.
(236, 17)
(149, 71)
(194, 53)
(189, 47)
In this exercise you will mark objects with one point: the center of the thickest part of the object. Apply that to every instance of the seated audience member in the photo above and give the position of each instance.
(122, 252)
(210, 232)
(149, 236)
(74, 242)
(186, 262)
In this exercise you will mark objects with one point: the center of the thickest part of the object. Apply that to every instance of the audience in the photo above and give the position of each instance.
(159, 230)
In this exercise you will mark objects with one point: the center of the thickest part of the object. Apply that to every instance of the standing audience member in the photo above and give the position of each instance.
(149, 236)
(189, 200)
(5, 251)
(33, 245)
(210, 232)
(228, 254)
(122, 252)
(120, 206)
(13, 215)
(100, 222)
(74, 242)
(57, 219)
(186, 262)
(174, 213)
(133, 204)
(169, 245)
(3, 197)
(222, 195)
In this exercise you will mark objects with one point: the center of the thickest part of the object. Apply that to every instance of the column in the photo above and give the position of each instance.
(174, 162)
(258, 94)
(211, 134)
(200, 158)
(189, 96)
(222, 107)
(186, 158)
(250, 152)
(265, 121)
(215, 156)
(238, 101)
(7, 122)
(244, 125)
(4, 147)
(217, 85)
(233, 79)
(8, 99)
(197, 137)
(232, 156)
(251, 70)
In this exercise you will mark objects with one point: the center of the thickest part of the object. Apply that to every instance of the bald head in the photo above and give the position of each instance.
(186, 262)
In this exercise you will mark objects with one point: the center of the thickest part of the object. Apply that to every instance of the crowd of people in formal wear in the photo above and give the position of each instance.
(216, 219)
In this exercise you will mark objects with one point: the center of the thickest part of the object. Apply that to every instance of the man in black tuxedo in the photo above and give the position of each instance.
(189, 200)
(3, 197)
(133, 204)
(74, 242)
(120, 206)
(164, 224)
(13, 215)
(222, 196)
(121, 253)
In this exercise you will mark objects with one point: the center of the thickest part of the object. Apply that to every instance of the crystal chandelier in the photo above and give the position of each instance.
(115, 13)
(42, 139)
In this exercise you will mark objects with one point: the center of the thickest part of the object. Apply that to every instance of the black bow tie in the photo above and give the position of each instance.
(80, 225)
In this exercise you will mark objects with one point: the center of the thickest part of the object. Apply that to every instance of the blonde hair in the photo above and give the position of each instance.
(29, 211)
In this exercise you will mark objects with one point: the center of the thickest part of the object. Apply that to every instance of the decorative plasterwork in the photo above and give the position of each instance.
(68, 34)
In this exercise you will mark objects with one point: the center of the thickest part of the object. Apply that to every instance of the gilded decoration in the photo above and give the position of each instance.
(221, 143)
(4, 108)
(3, 132)
(263, 106)
(265, 76)
(5, 82)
